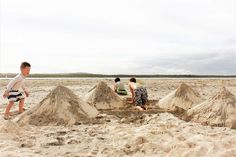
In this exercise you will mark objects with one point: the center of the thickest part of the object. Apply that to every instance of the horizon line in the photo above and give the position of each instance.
(84, 74)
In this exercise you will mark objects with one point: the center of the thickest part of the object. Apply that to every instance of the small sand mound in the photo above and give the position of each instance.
(103, 97)
(60, 107)
(10, 127)
(220, 110)
(135, 146)
(183, 98)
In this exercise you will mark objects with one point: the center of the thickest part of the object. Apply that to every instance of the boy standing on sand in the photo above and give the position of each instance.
(139, 94)
(12, 90)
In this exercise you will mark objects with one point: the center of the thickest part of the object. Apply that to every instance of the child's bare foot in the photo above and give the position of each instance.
(7, 117)
(22, 111)
(139, 108)
(144, 107)
(130, 102)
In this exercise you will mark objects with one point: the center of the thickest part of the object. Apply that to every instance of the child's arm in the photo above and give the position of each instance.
(115, 87)
(5, 94)
(132, 94)
(24, 89)
(11, 84)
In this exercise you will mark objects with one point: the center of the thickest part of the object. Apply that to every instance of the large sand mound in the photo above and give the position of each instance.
(103, 97)
(183, 98)
(60, 107)
(220, 110)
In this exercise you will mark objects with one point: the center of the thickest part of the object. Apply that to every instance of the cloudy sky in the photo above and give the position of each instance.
(125, 36)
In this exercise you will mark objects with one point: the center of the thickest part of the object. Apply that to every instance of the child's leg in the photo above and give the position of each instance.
(137, 97)
(21, 105)
(8, 108)
(144, 98)
(138, 100)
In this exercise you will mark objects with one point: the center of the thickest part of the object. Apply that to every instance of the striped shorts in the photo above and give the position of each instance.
(140, 96)
(15, 96)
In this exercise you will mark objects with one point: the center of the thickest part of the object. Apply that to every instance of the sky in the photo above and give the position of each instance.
(119, 37)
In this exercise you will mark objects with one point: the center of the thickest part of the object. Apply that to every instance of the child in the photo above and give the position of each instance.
(12, 90)
(119, 87)
(139, 94)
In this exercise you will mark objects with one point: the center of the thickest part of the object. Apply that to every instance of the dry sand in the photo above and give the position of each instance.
(119, 132)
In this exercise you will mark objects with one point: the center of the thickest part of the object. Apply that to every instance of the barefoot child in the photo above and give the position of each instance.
(12, 90)
(139, 94)
(119, 87)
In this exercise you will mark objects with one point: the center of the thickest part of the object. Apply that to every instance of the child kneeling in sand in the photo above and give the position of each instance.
(139, 94)
(12, 90)
(119, 87)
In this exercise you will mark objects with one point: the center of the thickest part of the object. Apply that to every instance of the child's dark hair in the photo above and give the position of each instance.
(117, 79)
(133, 80)
(24, 65)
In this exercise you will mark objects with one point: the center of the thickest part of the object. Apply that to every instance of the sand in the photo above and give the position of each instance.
(119, 132)
(10, 127)
(220, 110)
(181, 99)
(103, 97)
(60, 107)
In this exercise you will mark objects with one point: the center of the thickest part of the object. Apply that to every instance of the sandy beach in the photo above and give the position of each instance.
(118, 132)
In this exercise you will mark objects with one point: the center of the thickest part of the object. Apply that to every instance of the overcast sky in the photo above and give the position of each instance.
(125, 36)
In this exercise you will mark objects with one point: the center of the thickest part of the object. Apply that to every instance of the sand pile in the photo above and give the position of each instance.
(183, 98)
(220, 110)
(60, 107)
(103, 97)
(135, 146)
(10, 127)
